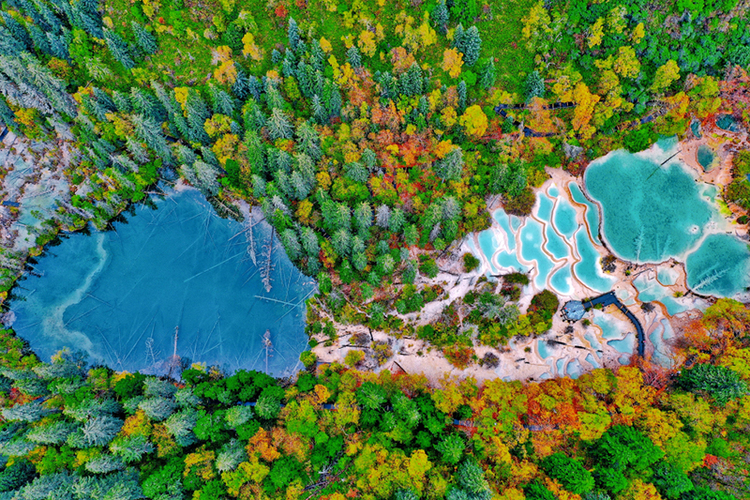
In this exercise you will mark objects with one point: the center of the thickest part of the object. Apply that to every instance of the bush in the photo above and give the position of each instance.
(308, 359)
(353, 358)
(429, 268)
(470, 262)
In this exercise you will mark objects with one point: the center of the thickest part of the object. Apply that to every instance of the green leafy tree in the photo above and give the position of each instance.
(269, 404)
(571, 474)
(623, 447)
(371, 396)
(609, 479)
(671, 482)
(537, 491)
(451, 448)
(721, 383)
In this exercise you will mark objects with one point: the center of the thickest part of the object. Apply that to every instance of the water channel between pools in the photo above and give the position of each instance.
(121, 295)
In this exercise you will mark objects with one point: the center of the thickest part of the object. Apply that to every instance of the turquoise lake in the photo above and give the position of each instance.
(121, 295)
(650, 212)
(654, 212)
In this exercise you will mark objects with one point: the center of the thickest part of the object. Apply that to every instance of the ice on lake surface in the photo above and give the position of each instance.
(121, 294)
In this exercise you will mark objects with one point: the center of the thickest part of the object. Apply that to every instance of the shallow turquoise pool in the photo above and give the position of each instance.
(720, 266)
(531, 250)
(121, 295)
(652, 290)
(592, 211)
(588, 270)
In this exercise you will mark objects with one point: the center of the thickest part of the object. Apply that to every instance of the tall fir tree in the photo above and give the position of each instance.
(440, 17)
(144, 39)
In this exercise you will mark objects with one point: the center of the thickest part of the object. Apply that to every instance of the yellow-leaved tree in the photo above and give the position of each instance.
(666, 75)
(627, 64)
(452, 62)
(474, 120)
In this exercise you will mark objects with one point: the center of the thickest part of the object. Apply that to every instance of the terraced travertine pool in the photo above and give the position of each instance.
(644, 212)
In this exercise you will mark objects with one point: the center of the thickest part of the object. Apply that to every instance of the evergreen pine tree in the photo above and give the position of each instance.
(383, 216)
(27, 412)
(440, 17)
(293, 34)
(291, 243)
(58, 45)
(157, 408)
(310, 241)
(334, 105)
(458, 37)
(222, 101)
(487, 78)
(317, 56)
(450, 167)
(181, 425)
(370, 159)
(101, 430)
(341, 242)
(461, 88)
(17, 30)
(534, 86)
(308, 140)
(241, 85)
(363, 216)
(39, 39)
(471, 45)
(319, 111)
(104, 464)
(92, 25)
(354, 57)
(122, 102)
(144, 39)
(356, 172)
(279, 126)
(397, 220)
(119, 48)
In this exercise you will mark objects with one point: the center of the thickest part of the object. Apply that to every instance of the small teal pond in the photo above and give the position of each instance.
(121, 295)
(726, 122)
(706, 157)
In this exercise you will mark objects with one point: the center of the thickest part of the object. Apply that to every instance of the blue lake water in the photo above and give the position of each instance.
(120, 295)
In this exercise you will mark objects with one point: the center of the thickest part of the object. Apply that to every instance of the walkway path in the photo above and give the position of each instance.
(610, 298)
